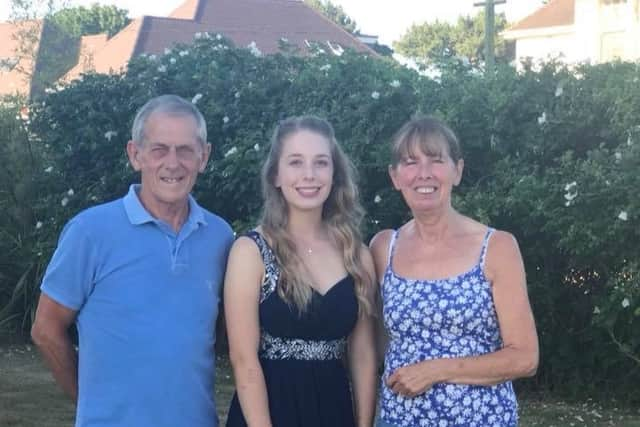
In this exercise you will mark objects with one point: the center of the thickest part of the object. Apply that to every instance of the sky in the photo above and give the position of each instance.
(388, 19)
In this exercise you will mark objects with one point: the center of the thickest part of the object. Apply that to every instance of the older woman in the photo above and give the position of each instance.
(455, 302)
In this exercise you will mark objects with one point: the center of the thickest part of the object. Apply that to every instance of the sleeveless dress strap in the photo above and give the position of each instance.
(485, 245)
(392, 248)
(271, 269)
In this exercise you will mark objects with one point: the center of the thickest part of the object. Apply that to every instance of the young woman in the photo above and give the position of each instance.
(299, 292)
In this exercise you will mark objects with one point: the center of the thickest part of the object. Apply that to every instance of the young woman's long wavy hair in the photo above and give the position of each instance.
(341, 214)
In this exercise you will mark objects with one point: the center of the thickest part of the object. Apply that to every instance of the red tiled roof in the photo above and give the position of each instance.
(264, 22)
(17, 80)
(556, 13)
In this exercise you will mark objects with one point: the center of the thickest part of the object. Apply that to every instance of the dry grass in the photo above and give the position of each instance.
(29, 398)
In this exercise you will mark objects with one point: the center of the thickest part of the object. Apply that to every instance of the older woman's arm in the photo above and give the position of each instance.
(519, 355)
(241, 298)
(362, 357)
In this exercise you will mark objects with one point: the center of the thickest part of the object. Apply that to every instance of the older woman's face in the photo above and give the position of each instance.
(426, 181)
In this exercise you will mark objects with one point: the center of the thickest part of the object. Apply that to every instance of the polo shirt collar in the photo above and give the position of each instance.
(139, 215)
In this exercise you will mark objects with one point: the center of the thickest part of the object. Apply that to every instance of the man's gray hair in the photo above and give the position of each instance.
(167, 104)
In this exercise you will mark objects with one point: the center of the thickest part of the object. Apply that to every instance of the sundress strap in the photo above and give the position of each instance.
(392, 248)
(271, 269)
(485, 245)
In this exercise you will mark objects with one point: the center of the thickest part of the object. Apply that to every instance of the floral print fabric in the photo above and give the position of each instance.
(448, 318)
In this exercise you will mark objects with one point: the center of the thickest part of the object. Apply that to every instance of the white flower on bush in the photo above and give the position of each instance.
(618, 156)
(162, 69)
(172, 60)
(237, 95)
(197, 35)
(110, 134)
(596, 310)
(38, 225)
(622, 216)
(629, 141)
(625, 303)
(570, 185)
(70, 192)
(559, 91)
(231, 152)
(49, 169)
(542, 119)
(196, 98)
(256, 147)
(152, 57)
(167, 51)
(571, 192)
(183, 53)
(377, 199)
(64, 201)
(395, 83)
(253, 48)
(225, 120)
(375, 94)
(325, 67)
(218, 36)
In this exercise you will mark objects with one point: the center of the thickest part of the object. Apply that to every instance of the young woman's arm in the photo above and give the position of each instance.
(245, 272)
(362, 356)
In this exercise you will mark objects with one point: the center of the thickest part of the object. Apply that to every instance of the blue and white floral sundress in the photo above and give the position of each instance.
(444, 318)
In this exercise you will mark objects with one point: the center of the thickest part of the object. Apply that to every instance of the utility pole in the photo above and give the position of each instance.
(489, 29)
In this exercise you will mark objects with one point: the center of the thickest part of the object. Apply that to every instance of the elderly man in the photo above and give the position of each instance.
(140, 277)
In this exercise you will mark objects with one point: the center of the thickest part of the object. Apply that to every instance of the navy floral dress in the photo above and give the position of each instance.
(448, 318)
(302, 354)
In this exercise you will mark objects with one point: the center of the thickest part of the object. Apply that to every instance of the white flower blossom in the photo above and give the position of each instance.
(162, 69)
(569, 196)
(197, 35)
(152, 57)
(256, 147)
(218, 36)
(167, 51)
(542, 119)
(618, 156)
(183, 53)
(64, 201)
(225, 120)
(253, 48)
(231, 152)
(375, 94)
(110, 134)
(559, 91)
(623, 216)
(237, 95)
(196, 98)
(395, 83)
(570, 185)
(629, 141)
(49, 169)
(625, 303)
(38, 225)
(325, 67)
(377, 199)
(596, 310)
(172, 60)
(70, 192)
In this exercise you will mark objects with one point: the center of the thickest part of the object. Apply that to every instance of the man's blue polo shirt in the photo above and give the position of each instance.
(147, 301)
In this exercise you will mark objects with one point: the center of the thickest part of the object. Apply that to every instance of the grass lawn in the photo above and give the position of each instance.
(30, 398)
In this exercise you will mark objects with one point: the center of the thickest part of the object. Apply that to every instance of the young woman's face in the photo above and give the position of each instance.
(305, 170)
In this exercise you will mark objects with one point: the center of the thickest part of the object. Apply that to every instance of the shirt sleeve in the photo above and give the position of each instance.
(70, 276)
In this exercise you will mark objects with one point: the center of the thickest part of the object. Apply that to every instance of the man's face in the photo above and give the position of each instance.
(169, 160)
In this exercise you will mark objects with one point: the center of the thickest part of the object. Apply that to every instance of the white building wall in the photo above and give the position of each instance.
(546, 47)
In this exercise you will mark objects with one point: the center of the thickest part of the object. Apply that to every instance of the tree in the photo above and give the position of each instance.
(80, 21)
(335, 13)
(437, 41)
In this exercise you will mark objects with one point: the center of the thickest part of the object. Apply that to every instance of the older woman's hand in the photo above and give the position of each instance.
(412, 380)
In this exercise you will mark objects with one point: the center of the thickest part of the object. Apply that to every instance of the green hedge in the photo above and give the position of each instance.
(527, 137)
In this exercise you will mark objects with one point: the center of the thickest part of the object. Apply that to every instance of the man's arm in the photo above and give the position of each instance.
(50, 333)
